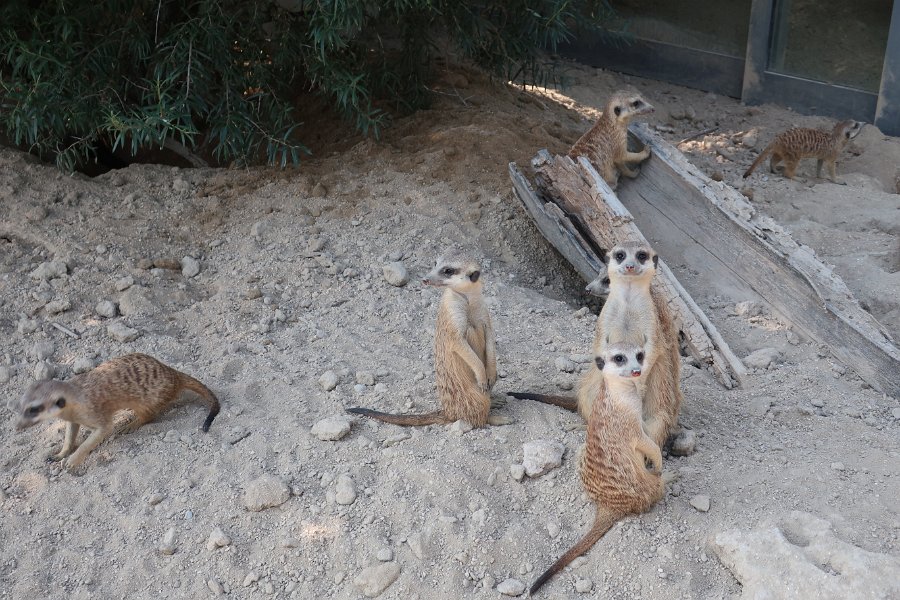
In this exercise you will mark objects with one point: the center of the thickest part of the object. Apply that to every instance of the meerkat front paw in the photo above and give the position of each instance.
(498, 420)
(73, 464)
(498, 402)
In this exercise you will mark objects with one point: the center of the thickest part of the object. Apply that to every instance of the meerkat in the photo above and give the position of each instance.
(599, 286)
(620, 466)
(465, 356)
(134, 382)
(606, 143)
(634, 313)
(795, 144)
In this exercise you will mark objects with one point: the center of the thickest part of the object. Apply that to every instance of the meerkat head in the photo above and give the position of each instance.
(624, 106)
(621, 360)
(847, 130)
(600, 285)
(455, 270)
(632, 260)
(44, 400)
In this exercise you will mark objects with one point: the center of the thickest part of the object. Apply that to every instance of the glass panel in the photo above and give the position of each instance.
(835, 41)
(714, 25)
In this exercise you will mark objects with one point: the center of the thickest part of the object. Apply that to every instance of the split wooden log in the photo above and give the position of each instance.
(582, 217)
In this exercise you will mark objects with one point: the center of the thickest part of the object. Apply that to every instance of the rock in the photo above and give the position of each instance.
(26, 326)
(798, 556)
(58, 306)
(137, 301)
(167, 262)
(373, 580)
(758, 407)
(365, 378)
(685, 443)
(838, 466)
(215, 587)
(385, 555)
(260, 229)
(762, 358)
(583, 586)
(894, 412)
(750, 139)
(517, 472)
(265, 492)
(319, 190)
(817, 402)
(747, 192)
(167, 546)
(44, 371)
(701, 503)
(511, 587)
(190, 266)
(564, 365)
(5, 374)
(328, 380)
(124, 283)
(748, 308)
(251, 578)
(331, 429)
(155, 498)
(460, 427)
(395, 274)
(420, 543)
(82, 364)
(217, 539)
(122, 333)
(344, 490)
(106, 309)
(41, 350)
(180, 185)
(50, 270)
(541, 456)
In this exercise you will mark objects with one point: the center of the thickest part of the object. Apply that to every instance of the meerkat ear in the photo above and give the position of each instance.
(474, 276)
(656, 260)
(600, 362)
(604, 256)
(618, 110)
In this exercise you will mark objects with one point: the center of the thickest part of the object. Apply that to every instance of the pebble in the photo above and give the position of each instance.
(215, 587)
(894, 412)
(553, 528)
(124, 283)
(82, 364)
(5, 374)
(541, 456)
(265, 492)
(58, 306)
(180, 185)
(217, 539)
(517, 472)
(42, 350)
(762, 358)
(171, 436)
(564, 364)
(700, 502)
(344, 490)
(395, 274)
(460, 427)
(511, 587)
(27, 326)
(365, 378)
(251, 578)
(50, 270)
(122, 332)
(583, 586)
(385, 555)
(167, 546)
(748, 308)
(817, 402)
(106, 309)
(372, 581)
(155, 498)
(331, 429)
(43, 371)
(328, 380)
(838, 466)
(685, 443)
(319, 190)
(190, 266)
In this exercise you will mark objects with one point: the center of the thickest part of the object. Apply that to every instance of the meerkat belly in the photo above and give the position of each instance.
(458, 390)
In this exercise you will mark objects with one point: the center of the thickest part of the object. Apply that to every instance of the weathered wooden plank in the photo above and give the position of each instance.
(757, 253)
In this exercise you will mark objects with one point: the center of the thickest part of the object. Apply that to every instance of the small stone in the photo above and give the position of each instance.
(750, 139)
(395, 274)
(817, 402)
(172, 436)
(138, 301)
(26, 326)
(122, 333)
(180, 185)
(5, 374)
(315, 244)
(372, 581)
(50, 270)
(541, 456)
(167, 546)
(155, 498)
(268, 588)
(564, 364)
(365, 378)
(217, 539)
(215, 587)
(251, 578)
(42, 350)
(517, 472)
(460, 427)
(895, 412)
(344, 490)
(685, 443)
(511, 587)
(331, 429)
(82, 364)
(260, 229)
(701, 503)
(748, 308)
(717, 176)
(838, 466)
(747, 192)
(265, 492)
(106, 309)
(385, 555)
(58, 306)
(553, 528)
(328, 380)
(319, 190)
(124, 283)
(190, 266)
(583, 586)
(44, 371)
(762, 358)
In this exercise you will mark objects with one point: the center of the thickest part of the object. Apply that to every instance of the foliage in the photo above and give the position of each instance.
(220, 77)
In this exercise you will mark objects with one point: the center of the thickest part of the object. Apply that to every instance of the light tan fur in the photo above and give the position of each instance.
(606, 143)
(795, 144)
(134, 382)
(620, 465)
(465, 356)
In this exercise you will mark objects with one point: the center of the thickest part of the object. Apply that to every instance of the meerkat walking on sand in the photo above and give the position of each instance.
(134, 382)
(620, 467)
(465, 356)
(795, 144)
(606, 143)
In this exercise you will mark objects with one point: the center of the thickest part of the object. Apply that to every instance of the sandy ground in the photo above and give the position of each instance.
(800, 467)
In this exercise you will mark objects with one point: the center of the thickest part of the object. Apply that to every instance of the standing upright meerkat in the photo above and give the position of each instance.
(795, 144)
(620, 466)
(465, 355)
(134, 382)
(634, 313)
(606, 143)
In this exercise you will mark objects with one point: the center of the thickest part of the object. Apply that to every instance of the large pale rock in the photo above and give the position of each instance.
(265, 492)
(332, 428)
(373, 580)
(798, 556)
(541, 456)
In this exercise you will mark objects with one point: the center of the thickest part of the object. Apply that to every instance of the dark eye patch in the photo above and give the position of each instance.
(619, 359)
(636, 103)
(33, 410)
(619, 256)
(60, 402)
(640, 357)
(642, 256)
(617, 110)
(606, 281)
(448, 271)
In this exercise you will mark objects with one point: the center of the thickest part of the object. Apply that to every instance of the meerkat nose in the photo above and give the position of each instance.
(635, 372)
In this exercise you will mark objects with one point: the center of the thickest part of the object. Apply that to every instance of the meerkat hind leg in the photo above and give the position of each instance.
(629, 172)
(636, 157)
(498, 402)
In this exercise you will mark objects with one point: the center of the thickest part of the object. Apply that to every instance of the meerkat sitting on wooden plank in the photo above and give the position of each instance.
(134, 382)
(620, 466)
(465, 354)
(606, 143)
(795, 144)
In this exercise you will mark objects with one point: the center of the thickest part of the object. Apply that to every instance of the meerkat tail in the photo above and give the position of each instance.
(208, 397)
(566, 402)
(603, 521)
(762, 156)
(425, 419)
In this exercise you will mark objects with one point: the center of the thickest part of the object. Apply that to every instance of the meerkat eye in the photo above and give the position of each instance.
(33, 410)
(448, 271)
(619, 256)
(640, 357)
(636, 103)
(642, 256)
(618, 110)
(60, 402)
(619, 359)
(606, 281)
